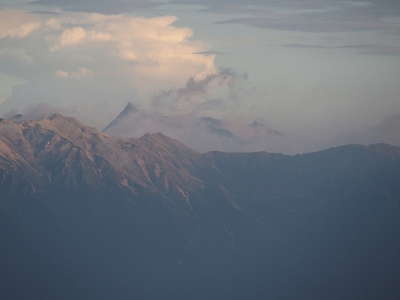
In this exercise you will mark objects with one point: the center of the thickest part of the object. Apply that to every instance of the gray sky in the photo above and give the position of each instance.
(314, 70)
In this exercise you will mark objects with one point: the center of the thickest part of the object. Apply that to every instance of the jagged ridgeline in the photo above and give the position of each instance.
(85, 215)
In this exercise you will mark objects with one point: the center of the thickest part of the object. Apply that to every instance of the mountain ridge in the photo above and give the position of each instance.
(149, 217)
(152, 161)
(56, 135)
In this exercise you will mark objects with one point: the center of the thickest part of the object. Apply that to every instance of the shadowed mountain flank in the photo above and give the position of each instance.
(129, 110)
(86, 215)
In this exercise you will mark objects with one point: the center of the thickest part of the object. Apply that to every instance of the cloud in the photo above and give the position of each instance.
(89, 59)
(369, 49)
(96, 62)
(317, 46)
(155, 49)
(92, 64)
(299, 15)
(100, 6)
(201, 114)
(200, 132)
(17, 24)
(36, 112)
(71, 37)
(210, 52)
(289, 15)
(78, 74)
(383, 50)
(307, 15)
(216, 127)
(313, 24)
(213, 93)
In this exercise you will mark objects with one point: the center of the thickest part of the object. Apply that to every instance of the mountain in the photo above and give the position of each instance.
(200, 131)
(85, 215)
(128, 110)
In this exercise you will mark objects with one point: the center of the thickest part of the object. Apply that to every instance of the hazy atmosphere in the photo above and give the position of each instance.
(284, 76)
(200, 149)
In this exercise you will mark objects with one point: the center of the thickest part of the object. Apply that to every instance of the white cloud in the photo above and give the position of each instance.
(72, 36)
(200, 96)
(113, 56)
(78, 74)
(158, 50)
(17, 24)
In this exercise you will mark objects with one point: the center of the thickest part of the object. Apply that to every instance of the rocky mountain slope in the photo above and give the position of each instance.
(59, 151)
(85, 215)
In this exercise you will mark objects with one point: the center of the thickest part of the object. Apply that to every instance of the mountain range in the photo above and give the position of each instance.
(202, 132)
(87, 215)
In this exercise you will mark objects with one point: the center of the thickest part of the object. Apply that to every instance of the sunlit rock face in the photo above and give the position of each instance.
(85, 215)
(63, 152)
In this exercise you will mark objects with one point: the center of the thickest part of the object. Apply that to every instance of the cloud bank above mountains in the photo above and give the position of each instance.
(97, 57)
(17, 24)
(187, 75)
(149, 47)
(90, 64)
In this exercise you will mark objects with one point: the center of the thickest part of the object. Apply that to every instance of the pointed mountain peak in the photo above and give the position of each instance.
(129, 109)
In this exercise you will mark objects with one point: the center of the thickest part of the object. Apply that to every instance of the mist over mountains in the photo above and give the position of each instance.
(386, 130)
(203, 129)
(191, 150)
(205, 133)
(87, 215)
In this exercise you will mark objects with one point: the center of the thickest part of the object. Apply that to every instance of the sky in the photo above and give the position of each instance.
(284, 76)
